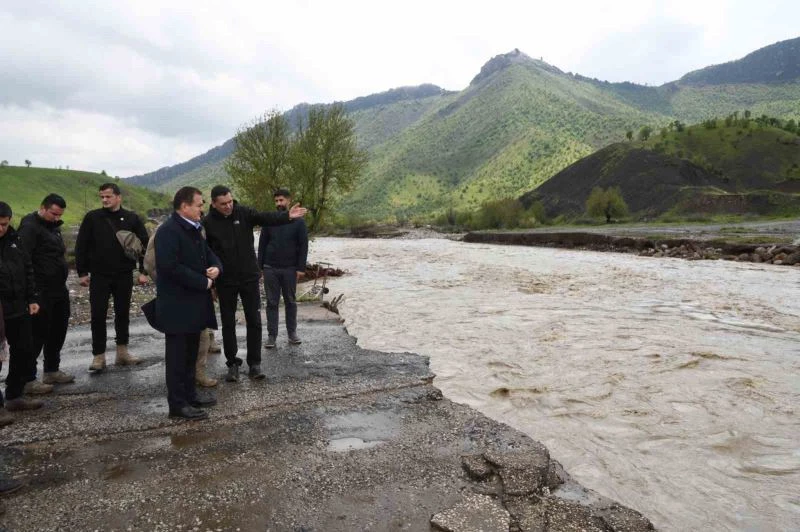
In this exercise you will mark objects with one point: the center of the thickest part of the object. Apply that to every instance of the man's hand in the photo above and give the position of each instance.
(84, 281)
(143, 279)
(300, 275)
(297, 211)
(33, 308)
(212, 272)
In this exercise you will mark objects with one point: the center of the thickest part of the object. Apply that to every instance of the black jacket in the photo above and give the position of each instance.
(17, 283)
(231, 238)
(285, 246)
(183, 300)
(42, 241)
(97, 249)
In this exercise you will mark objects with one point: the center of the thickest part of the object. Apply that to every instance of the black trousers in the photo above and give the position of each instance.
(181, 358)
(50, 330)
(101, 286)
(279, 281)
(21, 359)
(229, 296)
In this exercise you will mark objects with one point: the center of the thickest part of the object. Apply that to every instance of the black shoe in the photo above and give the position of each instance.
(270, 344)
(256, 373)
(189, 412)
(233, 373)
(8, 485)
(203, 402)
(294, 339)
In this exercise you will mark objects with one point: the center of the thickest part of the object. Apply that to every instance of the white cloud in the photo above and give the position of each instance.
(175, 75)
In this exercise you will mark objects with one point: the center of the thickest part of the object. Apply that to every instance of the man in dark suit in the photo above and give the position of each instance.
(186, 268)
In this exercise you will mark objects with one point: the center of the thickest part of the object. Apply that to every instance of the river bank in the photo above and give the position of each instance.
(337, 438)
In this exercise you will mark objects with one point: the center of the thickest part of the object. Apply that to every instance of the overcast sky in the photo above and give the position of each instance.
(131, 86)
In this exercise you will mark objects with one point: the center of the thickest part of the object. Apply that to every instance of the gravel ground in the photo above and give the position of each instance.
(337, 438)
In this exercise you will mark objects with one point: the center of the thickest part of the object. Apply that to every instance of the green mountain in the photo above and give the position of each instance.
(24, 188)
(519, 122)
(736, 166)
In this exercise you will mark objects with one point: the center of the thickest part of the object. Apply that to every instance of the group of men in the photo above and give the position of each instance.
(197, 259)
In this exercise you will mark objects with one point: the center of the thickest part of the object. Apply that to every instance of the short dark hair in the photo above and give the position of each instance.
(282, 192)
(219, 190)
(54, 199)
(5, 210)
(185, 195)
(113, 186)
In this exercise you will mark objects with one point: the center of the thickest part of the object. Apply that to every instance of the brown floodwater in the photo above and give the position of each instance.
(671, 386)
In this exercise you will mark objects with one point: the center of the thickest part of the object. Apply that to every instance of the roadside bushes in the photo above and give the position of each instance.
(505, 213)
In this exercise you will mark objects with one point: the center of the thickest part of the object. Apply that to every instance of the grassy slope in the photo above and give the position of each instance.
(752, 158)
(736, 170)
(499, 137)
(24, 188)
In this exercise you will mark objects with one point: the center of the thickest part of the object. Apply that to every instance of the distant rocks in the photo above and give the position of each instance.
(779, 254)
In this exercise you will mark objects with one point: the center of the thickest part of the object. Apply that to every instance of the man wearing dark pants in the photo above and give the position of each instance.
(20, 302)
(186, 268)
(40, 232)
(99, 252)
(282, 253)
(229, 229)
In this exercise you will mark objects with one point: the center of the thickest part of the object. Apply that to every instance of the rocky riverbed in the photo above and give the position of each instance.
(692, 249)
(338, 438)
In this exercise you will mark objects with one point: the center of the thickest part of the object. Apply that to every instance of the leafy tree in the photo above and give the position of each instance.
(103, 173)
(644, 133)
(608, 203)
(258, 165)
(318, 161)
(324, 159)
(747, 114)
(28, 163)
(629, 134)
(3, 163)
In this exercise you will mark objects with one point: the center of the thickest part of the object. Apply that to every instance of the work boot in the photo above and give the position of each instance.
(270, 343)
(124, 358)
(37, 388)
(256, 373)
(57, 377)
(98, 363)
(21, 403)
(233, 373)
(294, 339)
(5, 417)
(200, 376)
(213, 344)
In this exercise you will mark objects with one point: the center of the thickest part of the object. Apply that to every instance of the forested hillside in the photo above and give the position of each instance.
(519, 122)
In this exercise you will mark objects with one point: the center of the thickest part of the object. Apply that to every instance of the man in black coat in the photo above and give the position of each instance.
(186, 269)
(282, 253)
(40, 232)
(20, 301)
(98, 252)
(229, 229)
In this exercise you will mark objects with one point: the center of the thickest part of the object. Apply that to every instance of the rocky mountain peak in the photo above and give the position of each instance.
(514, 57)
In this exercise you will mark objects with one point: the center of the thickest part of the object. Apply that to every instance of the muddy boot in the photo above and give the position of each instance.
(214, 347)
(124, 358)
(98, 363)
(57, 377)
(5, 417)
(37, 388)
(20, 403)
(200, 376)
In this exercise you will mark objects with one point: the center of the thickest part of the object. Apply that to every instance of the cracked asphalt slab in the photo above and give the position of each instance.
(337, 438)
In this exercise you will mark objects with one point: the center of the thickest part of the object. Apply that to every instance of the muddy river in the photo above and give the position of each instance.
(671, 386)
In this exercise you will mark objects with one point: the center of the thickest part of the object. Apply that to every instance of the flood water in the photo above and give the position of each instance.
(671, 386)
